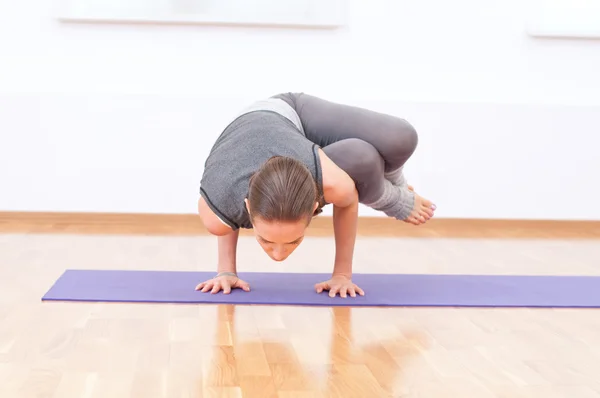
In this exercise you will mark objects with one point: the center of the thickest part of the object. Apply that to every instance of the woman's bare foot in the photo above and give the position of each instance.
(402, 203)
(422, 211)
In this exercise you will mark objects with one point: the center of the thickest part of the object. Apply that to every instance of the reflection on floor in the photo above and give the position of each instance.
(99, 350)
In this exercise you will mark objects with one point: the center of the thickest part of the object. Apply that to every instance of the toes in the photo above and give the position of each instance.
(426, 212)
(413, 220)
(426, 203)
(427, 206)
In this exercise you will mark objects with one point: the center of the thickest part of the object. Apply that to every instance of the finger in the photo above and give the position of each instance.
(343, 291)
(244, 286)
(319, 287)
(333, 292)
(207, 287)
(226, 287)
(359, 290)
(216, 288)
(351, 291)
(200, 286)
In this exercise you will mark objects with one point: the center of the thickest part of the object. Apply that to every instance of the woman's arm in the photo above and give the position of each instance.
(227, 245)
(227, 238)
(340, 190)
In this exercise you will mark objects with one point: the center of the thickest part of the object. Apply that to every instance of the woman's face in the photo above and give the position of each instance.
(279, 239)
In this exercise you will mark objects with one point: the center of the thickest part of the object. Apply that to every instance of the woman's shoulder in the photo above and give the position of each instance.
(222, 205)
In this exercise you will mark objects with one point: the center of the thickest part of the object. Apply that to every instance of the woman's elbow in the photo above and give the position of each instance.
(345, 194)
(211, 222)
(352, 195)
(217, 228)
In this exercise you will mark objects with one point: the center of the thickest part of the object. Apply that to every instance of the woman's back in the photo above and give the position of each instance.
(243, 147)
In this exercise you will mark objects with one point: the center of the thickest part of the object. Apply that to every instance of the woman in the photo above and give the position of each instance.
(282, 159)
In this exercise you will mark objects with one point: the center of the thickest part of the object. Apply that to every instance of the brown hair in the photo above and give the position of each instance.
(283, 189)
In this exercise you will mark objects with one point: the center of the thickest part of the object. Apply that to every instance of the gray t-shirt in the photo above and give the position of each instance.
(243, 147)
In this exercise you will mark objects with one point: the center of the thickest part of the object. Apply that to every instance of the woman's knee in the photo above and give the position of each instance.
(403, 140)
(366, 158)
(356, 157)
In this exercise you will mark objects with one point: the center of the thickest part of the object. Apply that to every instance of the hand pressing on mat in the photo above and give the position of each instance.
(224, 281)
(339, 284)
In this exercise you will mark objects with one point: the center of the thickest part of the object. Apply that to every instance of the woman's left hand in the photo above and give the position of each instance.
(339, 284)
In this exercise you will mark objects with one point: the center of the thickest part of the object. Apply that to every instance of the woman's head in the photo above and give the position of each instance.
(282, 199)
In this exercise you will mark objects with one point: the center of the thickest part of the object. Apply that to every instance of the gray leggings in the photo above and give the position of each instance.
(371, 147)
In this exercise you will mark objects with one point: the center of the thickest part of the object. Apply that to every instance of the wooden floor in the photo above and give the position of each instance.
(190, 224)
(79, 350)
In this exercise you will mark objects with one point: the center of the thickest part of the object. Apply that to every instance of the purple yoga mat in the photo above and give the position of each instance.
(398, 290)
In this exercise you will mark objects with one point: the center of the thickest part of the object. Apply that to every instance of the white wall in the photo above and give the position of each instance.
(152, 99)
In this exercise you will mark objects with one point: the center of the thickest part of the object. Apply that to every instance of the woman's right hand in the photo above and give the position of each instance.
(223, 282)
